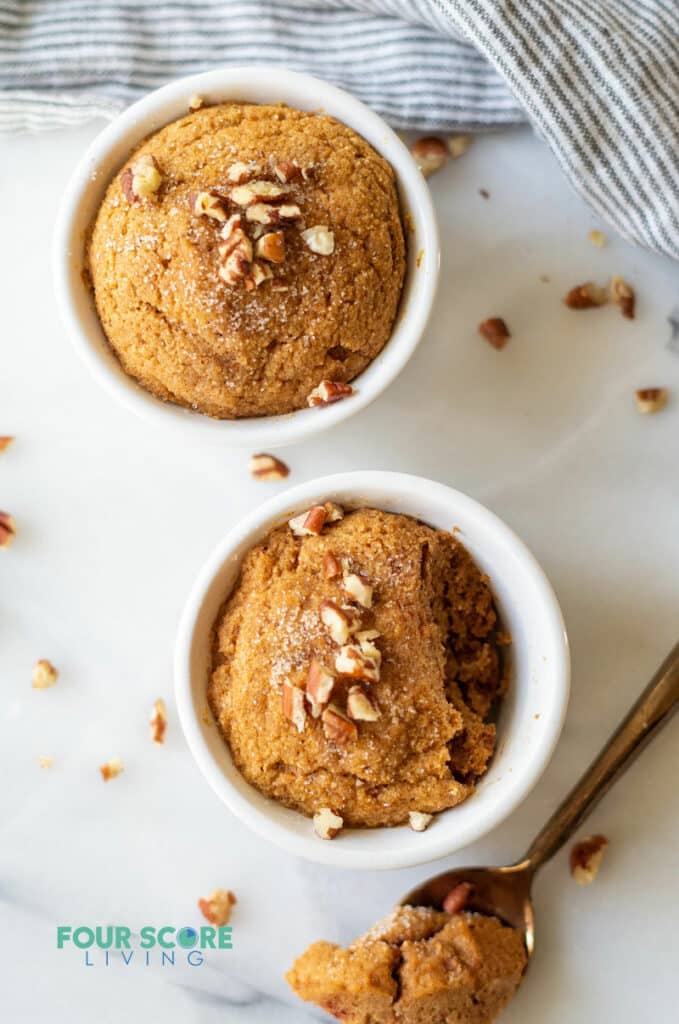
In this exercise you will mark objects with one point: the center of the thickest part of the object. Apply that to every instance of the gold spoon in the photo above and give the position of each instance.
(506, 892)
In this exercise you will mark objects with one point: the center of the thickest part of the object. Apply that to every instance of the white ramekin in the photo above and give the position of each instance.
(531, 716)
(108, 153)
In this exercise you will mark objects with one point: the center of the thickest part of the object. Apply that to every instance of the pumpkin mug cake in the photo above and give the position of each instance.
(248, 260)
(356, 668)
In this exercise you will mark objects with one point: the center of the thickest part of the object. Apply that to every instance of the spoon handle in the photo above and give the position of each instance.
(652, 710)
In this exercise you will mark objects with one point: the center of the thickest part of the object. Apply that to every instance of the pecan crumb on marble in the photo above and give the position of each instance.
(7, 529)
(217, 908)
(495, 331)
(158, 721)
(44, 674)
(430, 154)
(622, 295)
(586, 296)
(586, 857)
(319, 239)
(650, 400)
(597, 238)
(458, 145)
(267, 467)
(111, 769)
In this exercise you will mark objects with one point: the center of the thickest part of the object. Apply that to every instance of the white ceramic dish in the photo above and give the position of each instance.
(530, 720)
(108, 153)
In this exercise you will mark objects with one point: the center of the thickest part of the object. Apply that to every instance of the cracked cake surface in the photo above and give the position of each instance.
(411, 732)
(246, 317)
(416, 966)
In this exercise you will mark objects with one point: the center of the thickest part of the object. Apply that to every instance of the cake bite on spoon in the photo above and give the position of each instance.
(457, 947)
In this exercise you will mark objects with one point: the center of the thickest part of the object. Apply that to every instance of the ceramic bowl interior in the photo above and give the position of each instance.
(531, 715)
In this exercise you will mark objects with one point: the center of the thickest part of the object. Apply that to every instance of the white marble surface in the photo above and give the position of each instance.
(114, 522)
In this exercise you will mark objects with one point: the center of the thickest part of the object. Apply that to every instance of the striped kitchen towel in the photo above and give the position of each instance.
(598, 79)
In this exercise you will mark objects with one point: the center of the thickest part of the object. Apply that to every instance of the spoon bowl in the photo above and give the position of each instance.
(504, 893)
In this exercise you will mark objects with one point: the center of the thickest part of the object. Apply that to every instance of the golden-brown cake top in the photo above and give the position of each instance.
(243, 254)
(396, 731)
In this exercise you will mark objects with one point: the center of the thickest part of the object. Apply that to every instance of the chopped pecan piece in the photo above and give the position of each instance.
(340, 622)
(327, 824)
(495, 331)
(358, 589)
(459, 144)
(458, 898)
(651, 400)
(310, 522)
(142, 179)
(7, 529)
(293, 705)
(235, 267)
(329, 391)
(331, 566)
(419, 821)
(586, 857)
(366, 635)
(334, 513)
(158, 721)
(622, 294)
(267, 467)
(352, 663)
(597, 238)
(235, 252)
(337, 728)
(271, 247)
(111, 769)
(586, 296)
(259, 274)
(217, 909)
(288, 171)
(368, 650)
(320, 682)
(262, 213)
(360, 707)
(430, 154)
(232, 234)
(256, 192)
(207, 204)
(240, 172)
(44, 674)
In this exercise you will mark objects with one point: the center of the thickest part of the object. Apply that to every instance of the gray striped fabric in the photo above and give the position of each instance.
(599, 79)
